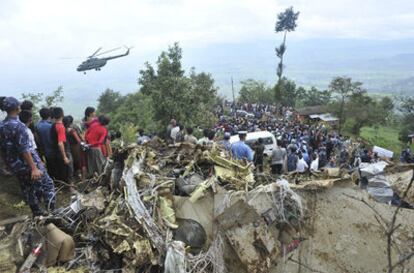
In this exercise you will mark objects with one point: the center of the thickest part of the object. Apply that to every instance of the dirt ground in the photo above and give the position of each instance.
(342, 234)
(11, 204)
(11, 201)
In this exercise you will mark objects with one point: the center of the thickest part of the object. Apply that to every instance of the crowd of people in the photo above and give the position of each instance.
(55, 149)
(52, 150)
(300, 147)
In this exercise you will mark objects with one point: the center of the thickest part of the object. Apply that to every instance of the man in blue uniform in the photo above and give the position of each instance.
(23, 159)
(241, 150)
(225, 143)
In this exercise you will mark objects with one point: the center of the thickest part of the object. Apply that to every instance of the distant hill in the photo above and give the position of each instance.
(378, 64)
(401, 86)
(383, 66)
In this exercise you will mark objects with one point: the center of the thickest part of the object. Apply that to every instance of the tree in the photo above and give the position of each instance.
(166, 85)
(39, 101)
(36, 99)
(136, 109)
(255, 92)
(109, 101)
(386, 107)
(165, 93)
(313, 96)
(344, 88)
(406, 107)
(202, 86)
(406, 104)
(147, 79)
(175, 95)
(407, 129)
(286, 22)
(361, 110)
(285, 92)
(55, 98)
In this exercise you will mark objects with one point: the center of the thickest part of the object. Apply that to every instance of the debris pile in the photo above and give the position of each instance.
(176, 208)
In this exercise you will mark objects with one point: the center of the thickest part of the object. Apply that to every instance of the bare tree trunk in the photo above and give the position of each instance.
(341, 114)
(281, 58)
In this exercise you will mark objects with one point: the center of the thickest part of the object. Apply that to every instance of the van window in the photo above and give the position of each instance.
(266, 141)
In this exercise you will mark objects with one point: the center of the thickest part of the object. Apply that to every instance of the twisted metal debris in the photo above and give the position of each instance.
(129, 228)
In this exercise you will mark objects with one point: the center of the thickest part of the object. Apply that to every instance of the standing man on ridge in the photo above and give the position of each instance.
(24, 160)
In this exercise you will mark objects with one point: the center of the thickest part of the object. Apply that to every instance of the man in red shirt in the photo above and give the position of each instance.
(61, 146)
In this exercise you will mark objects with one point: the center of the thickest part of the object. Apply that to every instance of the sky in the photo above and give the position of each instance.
(38, 38)
(56, 28)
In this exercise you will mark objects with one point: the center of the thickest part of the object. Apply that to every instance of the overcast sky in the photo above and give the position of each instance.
(36, 35)
(42, 28)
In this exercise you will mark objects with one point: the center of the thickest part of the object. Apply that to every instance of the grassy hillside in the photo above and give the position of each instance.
(385, 137)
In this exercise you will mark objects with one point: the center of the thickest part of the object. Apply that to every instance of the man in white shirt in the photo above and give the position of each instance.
(301, 165)
(174, 129)
(204, 140)
(315, 163)
(189, 136)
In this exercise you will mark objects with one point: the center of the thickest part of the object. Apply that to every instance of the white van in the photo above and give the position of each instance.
(243, 113)
(269, 140)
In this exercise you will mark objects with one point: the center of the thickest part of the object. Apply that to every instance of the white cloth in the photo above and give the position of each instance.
(31, 138)
(204, 141)
(190, 139)
(315, 165)
(174, 132)
(3, 115)
(301, 166)
(142, 139)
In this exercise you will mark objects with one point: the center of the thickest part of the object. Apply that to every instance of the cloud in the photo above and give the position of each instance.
(146, 24)
(36, 35)
(49, 28)
(368, 19)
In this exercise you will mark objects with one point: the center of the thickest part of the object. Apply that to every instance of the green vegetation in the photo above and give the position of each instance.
(165, 93)
(39, 100)
(383, 136)
(345, 89)
(312, 97)
(407, 120)
(357, 109)
(284, 93)
(256, 91)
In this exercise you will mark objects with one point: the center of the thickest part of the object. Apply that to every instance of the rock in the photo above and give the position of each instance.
(191, 233)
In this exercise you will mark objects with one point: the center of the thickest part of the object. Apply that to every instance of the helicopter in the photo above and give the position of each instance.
(96, 63)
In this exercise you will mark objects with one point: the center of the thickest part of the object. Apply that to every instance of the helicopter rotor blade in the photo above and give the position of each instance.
(71, 58)
(95, 52)
(108, 51)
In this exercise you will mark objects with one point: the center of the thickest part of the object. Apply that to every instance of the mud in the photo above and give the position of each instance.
(342, 234)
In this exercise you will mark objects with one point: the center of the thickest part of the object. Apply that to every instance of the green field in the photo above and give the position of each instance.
(385, 137)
